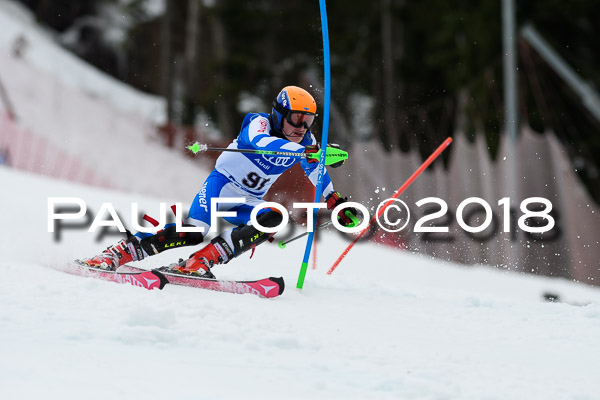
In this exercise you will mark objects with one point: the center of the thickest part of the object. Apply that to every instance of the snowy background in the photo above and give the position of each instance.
(386, 324)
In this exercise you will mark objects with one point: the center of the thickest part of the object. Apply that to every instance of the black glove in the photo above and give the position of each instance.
(346, 215)
(312, 149)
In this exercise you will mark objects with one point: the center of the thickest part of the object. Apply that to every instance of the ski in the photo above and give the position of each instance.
(158, 278)
(146, 279)
(267, 287)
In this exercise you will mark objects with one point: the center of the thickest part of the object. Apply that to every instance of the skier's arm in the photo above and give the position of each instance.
(332, 198)
(310, 165)
(312, 172)
(257, 135)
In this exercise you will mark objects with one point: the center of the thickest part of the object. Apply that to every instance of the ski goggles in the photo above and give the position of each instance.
(299, 119)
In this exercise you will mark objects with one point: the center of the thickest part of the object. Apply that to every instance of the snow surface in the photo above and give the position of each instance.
(385, 324)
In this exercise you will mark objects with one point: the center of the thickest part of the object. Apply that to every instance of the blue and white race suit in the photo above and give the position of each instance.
(250, 175)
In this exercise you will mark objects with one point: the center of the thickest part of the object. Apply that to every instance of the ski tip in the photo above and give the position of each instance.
(280, 282)
(79, 263)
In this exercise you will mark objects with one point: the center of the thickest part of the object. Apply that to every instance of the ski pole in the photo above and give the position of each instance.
(402, 188)
(333, 155)
(355, 222)
(282, 243)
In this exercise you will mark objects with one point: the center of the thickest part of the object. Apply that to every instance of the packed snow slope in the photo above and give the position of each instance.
(386, 325)
(106, 125)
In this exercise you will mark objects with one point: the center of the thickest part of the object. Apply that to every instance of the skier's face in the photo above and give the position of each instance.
(292, 133)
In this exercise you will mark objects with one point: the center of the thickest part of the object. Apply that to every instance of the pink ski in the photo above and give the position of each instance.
(267, 287)
(146, 279)
(158, 278)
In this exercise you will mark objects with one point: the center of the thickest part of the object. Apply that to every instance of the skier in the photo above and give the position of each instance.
(245, 175)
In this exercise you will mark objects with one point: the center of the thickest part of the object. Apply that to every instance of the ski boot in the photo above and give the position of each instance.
(228, 245)
(127, 250)
(200, 263)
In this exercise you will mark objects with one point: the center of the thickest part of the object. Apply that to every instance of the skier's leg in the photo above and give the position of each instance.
(246, 237)
(141, 245)
(166, 239)
(233, 242)
(126, 250)
(137, 247)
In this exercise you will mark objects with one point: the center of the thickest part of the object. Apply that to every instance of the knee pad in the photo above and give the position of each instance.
(270, 218)
(168, 238)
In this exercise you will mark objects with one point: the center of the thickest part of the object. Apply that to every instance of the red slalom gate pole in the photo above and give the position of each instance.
(402, 188)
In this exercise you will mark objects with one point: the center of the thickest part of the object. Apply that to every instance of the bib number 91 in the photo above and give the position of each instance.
(254, 181)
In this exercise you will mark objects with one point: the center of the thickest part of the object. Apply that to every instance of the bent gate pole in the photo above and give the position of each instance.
(402, 188)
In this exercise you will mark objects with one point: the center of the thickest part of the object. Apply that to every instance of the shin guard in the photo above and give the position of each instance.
(246, 237)
(168, 238)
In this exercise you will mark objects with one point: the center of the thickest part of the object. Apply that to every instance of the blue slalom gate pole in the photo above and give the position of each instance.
(319, 188)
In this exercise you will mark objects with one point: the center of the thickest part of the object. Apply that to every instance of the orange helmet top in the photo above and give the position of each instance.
(299, 99)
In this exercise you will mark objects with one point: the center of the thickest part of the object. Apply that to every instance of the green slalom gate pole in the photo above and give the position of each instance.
(333, 155)
(319, 189)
